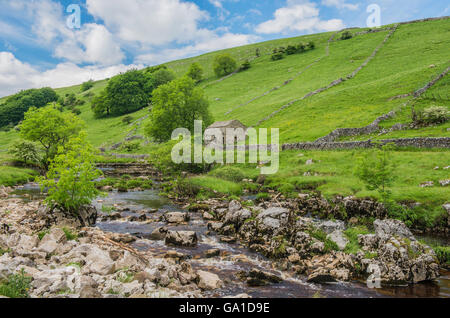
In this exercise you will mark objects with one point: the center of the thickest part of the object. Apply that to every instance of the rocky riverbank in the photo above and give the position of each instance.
(65, 259)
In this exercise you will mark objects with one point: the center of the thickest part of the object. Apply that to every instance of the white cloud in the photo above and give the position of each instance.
(16, 75)
(340, 4)
(150, 22)
(92, 44)
(214, 43)
(298, 16)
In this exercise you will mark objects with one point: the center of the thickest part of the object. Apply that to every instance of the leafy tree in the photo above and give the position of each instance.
(70, 179)
(14, 108)
(277, 56)
(26, 152)
(376, 170)
(130, 91)
(87, 85)
(311, 46)
(291, 50)
(346, 35)
(158, 78)
(301, 48)
(258, 52)
(195, 72)
(434, 115)
(50, 128)
(100, 105)
(224, 64)
(177, 104)
(127, 93)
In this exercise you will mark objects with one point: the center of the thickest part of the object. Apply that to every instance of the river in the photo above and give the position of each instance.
(234, 257)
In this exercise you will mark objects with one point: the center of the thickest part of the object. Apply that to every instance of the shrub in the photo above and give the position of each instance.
(177, 104)
(311, 45)
(346, 35)
(229, 173)
(224, 65)
(87, 85)
(245, 66)
(131, 146)
(127, 120)
(50, 128)
(26, 152)
(258, 52)
(277, 56)
(16, 286)
(70, 177)
(301, 48)
(195, 72)
(435, 115)
(291, 50)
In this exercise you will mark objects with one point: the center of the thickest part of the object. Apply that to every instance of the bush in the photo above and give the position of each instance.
(245, 66)
(258, 52)
(70, 177)
(131, 146)
(311, 45)
(224, 65)
(177, 104)
(26, 152)
(127, 120)
(435, 115)
(229, 173)
(51, 128)
(346, 35)
(277, 56)
(16, 286)
(14, 108)
(291, 50)
(87, 85)
(195, 72)
(301, 48)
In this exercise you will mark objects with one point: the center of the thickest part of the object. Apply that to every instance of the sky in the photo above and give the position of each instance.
(62, 43)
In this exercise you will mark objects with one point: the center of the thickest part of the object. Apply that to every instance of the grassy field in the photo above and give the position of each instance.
(414, 55)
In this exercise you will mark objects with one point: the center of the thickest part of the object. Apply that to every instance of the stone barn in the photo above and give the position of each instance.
(224, 125)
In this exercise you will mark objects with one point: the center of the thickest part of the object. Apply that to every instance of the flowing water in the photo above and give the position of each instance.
(235, 257)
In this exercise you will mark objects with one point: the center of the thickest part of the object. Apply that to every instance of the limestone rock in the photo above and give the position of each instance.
(182, 238)
(208, 281)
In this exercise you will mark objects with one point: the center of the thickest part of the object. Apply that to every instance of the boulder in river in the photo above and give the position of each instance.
(256, 277)
(208, 281)
(176, 217)
(182, 238)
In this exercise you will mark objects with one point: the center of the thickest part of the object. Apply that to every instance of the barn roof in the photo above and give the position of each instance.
(228, 123)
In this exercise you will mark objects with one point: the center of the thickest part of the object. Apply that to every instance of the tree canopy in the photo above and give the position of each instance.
(13, 110)
(50, 128)
(224, 64)
(129, 92)
(195, 72)
(177, 105)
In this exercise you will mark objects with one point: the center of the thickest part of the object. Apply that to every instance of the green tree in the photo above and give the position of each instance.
(158, 78)
(376, 170)
(127, 93)
(87, 85)
(175, 105)
(70, 179)
(14, 108)
(224, 64)
(26, 152)
(195, 72)
(100, 105)
(50, 128)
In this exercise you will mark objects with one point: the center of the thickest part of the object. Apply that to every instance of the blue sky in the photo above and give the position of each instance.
(37, 48)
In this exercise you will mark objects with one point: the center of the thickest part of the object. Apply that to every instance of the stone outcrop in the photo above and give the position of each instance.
(181, 238)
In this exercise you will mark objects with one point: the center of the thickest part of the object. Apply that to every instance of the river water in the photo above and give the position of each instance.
(234, 257)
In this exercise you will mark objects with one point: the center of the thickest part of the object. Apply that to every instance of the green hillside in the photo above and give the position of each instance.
(410, 58)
